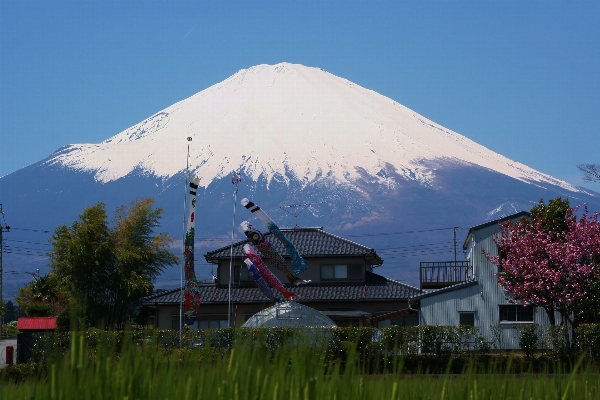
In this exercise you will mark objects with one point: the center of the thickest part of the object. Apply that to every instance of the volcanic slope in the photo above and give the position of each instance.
(353, 161)
(288, 119)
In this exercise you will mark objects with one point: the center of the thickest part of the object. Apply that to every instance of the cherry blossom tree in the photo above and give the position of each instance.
(552, 269)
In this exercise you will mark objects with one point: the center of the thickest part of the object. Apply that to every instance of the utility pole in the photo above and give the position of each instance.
(2, 229)
(455, 229)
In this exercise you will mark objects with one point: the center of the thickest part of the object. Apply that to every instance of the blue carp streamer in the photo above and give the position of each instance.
(299, 265)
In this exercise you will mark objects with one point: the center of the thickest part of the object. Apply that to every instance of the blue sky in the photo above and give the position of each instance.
(521, 78)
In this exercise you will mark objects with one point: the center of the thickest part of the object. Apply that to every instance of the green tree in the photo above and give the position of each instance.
(82, 259)
(553, 215)
(139, 258)
(10, 312)
(43, 297)
(107, 270)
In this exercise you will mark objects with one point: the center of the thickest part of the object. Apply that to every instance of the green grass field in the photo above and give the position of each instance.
(146, 371)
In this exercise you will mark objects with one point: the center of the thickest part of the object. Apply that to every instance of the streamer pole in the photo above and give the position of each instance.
(187, 178)
(235, 180)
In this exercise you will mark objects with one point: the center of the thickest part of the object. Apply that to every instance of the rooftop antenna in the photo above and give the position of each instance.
(298, 209)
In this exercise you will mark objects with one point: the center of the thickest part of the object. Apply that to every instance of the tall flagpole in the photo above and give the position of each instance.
(235, 180)
(187, 177)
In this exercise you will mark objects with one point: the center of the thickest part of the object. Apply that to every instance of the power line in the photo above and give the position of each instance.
(414, 255)
(416, 249)
(20, 272)
(416, 245)
(43, 259)
(22, 241)
(8, 246)
(30, 230)
(399, 233)
(25, 253)
(227, 239)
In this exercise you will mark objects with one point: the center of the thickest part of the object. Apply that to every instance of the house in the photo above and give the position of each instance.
(467, 292)
(342, 285)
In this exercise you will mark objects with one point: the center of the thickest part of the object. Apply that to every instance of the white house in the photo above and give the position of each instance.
(468, 292)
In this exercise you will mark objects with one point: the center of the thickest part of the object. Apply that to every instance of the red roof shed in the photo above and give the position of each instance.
(36, 323)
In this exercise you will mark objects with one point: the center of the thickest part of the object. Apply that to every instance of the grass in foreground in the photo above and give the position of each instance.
(301, 372)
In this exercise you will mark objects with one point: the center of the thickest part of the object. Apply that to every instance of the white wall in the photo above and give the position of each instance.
(484, 297)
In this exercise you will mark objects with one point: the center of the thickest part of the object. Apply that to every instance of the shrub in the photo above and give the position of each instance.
(11, 329)
(20, 372)
(401, 339)
(588, 339)
(558, 341)
(359, 336)
(483, 346)
(222, 337)
(528, 339)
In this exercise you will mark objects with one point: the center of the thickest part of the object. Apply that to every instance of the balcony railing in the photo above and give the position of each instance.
(440, 274)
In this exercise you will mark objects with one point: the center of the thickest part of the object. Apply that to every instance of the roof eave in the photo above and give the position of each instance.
(446, 289)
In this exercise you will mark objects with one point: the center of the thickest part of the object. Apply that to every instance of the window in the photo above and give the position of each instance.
(341, 272)
(211, 324)
(334, 272)
(467, 318)
(241, 275)
(391, 322)
(215, 322)
(516, 313)
(501, 258)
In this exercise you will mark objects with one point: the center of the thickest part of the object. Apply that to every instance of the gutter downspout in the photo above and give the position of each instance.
(414, 309)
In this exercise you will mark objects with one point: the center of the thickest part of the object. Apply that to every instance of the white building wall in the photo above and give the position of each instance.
(445, 309)
(483, 298)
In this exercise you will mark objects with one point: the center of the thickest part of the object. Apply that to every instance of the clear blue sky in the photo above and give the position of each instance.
(521, 78)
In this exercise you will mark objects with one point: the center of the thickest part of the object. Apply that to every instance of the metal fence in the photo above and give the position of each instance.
(439, 274)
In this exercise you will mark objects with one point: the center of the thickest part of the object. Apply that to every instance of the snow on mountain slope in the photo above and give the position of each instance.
(290, 120)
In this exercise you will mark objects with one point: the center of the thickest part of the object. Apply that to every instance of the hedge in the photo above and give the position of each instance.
(427, 340)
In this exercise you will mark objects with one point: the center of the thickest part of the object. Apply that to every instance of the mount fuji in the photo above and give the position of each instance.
(313, 149)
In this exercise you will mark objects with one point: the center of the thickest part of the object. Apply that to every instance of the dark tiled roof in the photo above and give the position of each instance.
(375, 287)
(458, 286)
(310, 242)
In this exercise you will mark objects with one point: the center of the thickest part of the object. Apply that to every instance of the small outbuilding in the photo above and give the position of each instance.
(27, 326)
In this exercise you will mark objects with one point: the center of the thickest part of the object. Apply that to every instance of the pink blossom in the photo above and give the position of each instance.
(545, 268)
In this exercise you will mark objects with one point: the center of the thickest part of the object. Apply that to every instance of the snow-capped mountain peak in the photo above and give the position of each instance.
(289, 120)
